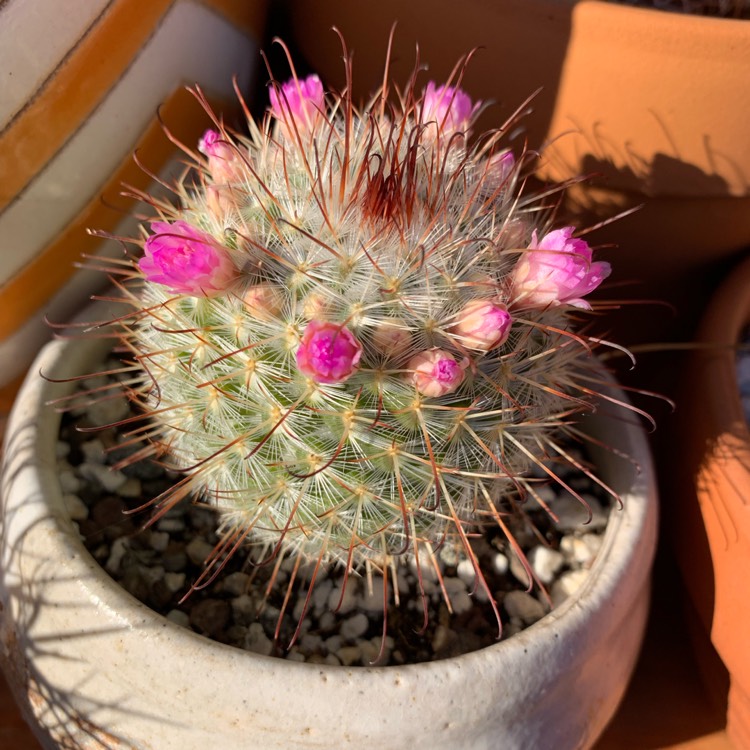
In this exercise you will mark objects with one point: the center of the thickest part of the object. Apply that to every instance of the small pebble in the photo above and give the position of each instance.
(62, 449)
(499, 563)
(130, 488)
(236, 583)
(465, 571)
(257, 641)
(116, 553)
(461, 602)
(372, 600)
(523, 606)
(327, 621)
(110, 479)
(349, 655)
(75, 507)
(354, 626)
(158, 540)
(178, 617)
(69, 482)
(93, 450)
(171, 525)
(210, 616)
(174, 581)
(545, 563)
(573, 515)
(198, 550)
(109, 411)
(244, 609)
(566, 585)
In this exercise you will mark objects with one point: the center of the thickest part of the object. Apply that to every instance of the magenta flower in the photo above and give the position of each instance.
(186, 260)
(435, 372)
(449, 107)
(557, 270)
(223, 163)
(482, 325)
(328, 352)
(298, 101)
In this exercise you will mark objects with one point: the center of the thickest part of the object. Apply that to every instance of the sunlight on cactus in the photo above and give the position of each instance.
(359, 332)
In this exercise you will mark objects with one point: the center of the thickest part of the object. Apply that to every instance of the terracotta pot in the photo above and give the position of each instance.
(712, 510)
(655, 102)
(89, 663)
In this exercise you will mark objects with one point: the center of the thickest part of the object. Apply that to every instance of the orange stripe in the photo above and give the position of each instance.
(70, 95)
(249, 16)
(26, 293)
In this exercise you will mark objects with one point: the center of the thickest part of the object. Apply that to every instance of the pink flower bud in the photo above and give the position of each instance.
(435, 372)
(263, 301)
(448, 107)
(223, 162)
(482, 325)
(219, 201)
(499, 168)
(557, 270)
(315, 305)
(186, 260)
(328, 352)
(391, 338)
(298, 101)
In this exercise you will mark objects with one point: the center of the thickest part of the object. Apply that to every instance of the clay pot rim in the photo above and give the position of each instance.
(690, 23)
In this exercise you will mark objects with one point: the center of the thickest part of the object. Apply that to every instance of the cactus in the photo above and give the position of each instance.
(358, 331)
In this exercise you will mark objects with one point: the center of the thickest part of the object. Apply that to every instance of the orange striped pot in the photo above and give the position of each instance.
(82, 82)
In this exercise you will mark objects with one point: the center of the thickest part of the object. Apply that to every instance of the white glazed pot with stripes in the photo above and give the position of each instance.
(94, 668)
(82, 81)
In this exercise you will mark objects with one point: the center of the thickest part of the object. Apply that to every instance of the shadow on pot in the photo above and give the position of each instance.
(29, 664)
(710, 469)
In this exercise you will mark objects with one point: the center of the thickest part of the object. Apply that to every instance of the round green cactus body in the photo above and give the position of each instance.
(357, 332)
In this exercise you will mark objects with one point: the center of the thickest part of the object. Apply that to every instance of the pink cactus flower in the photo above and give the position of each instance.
(328, 352)
(300, 102)
(448, 107)
(557, 270)
(435, 372)
(223, 162)
(186, 260)
(482, 325)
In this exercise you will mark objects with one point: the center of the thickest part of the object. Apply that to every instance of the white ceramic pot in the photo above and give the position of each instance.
(93, 667)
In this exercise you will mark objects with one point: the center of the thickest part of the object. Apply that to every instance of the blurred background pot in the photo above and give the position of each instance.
(712, 505)
(88, 663)
(82, 83)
